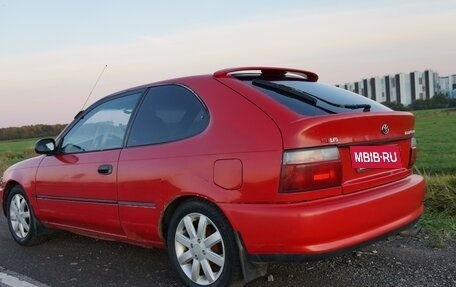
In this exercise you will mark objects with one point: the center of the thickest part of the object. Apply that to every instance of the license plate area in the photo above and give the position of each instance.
(367, 157)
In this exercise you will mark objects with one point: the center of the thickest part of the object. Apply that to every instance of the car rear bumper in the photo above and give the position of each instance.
(328, 225)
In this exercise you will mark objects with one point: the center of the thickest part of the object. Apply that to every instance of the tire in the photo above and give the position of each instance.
(22, 223)
(202, 247)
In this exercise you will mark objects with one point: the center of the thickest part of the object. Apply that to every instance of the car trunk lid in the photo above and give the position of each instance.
(346, 131)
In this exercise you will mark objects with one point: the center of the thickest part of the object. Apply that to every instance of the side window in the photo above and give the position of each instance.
(168, 113)
(103, 127)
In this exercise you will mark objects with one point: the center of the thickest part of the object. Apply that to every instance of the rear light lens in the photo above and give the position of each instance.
(310, 169)
(412, 159)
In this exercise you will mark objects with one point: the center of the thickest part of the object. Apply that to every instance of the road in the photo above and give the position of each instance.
(72, 260)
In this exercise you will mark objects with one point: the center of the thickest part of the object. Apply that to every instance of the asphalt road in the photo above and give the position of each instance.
(72, 260)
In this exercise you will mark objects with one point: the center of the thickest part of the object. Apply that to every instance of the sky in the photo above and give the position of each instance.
(51, 52)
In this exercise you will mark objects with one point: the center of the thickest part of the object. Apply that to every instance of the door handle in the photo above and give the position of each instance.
(105, 169)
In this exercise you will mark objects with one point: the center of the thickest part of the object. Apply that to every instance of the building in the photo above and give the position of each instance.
(447, 86)
(403, 88)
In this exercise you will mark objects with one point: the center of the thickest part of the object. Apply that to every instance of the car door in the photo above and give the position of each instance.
(153, 165)
(77, 187)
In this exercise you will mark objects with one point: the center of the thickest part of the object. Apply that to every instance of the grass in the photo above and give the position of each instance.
(440, 227)
(15, 150)
(17, 145)
(439, 219)
(436, 137)
(441, 194)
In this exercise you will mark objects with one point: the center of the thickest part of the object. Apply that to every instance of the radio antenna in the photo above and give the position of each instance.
(94, 86)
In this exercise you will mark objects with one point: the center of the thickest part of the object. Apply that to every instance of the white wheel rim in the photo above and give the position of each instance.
(19, 216)
(200, 249)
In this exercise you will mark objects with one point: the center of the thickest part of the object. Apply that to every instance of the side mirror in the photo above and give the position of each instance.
(45, 146)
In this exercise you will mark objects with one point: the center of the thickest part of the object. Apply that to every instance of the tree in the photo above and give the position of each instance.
(31, 131)
(439, 101)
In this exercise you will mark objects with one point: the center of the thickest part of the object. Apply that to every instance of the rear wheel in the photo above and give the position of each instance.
(21, 220)
(201, 246)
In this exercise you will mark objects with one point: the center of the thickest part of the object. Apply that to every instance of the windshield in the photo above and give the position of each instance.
(327, 99)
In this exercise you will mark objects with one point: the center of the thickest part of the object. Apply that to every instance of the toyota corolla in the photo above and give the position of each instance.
(227, 171)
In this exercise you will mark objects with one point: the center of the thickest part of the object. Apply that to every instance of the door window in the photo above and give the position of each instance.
(103, 127)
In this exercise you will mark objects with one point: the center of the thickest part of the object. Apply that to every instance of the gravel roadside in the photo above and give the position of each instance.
(398, 261)
(76, 261)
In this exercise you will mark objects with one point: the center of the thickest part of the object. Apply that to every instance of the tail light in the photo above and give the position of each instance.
(310, 169)
(412, 159)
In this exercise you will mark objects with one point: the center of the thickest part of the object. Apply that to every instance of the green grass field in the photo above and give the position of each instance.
(436, 137)
(17, 145)
(13, 151)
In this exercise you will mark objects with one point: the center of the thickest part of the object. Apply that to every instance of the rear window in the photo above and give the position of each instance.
(325, 93)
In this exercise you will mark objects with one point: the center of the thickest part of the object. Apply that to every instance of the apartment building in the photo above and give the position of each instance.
(447, 86)
(403, 88)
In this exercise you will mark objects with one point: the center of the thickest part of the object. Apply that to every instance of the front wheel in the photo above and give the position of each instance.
(201, 246)
(21, 220)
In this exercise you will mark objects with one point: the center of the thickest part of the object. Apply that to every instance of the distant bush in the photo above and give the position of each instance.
(396, 106)
(439, 101)
(31, 131)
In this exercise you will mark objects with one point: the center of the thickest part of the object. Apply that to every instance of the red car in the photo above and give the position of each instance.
(227, 171)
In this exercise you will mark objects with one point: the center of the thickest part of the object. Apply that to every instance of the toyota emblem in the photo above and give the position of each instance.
(385, 129)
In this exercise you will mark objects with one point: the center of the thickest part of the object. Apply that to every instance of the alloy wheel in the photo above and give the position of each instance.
(200, 249)
(19, 216)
